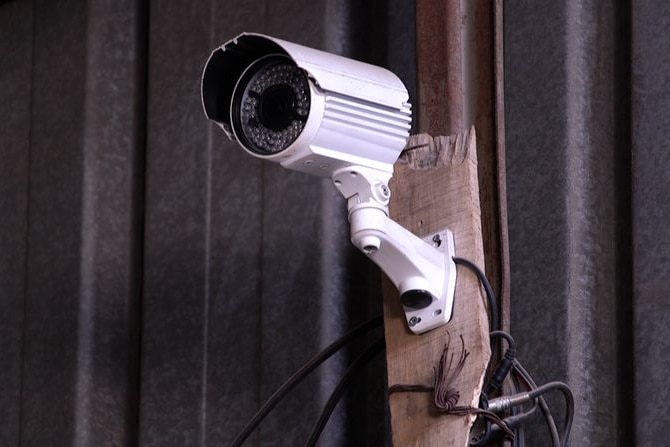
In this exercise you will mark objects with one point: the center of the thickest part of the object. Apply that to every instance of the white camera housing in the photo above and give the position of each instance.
(359, 114)
(327, 115)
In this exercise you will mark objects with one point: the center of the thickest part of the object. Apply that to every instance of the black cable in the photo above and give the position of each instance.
(519, 436)
(518, 368)
(502, 334)
(518, 417)
(514, 422)
(490, 296)
(494, 326)
(546, 412)
(355, 368)
(569, 404)
(496, 380)
(493, 384)
(307, 368)
(486, 436)
(536, 393)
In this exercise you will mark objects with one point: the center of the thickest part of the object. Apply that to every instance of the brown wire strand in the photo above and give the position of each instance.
(445, 395)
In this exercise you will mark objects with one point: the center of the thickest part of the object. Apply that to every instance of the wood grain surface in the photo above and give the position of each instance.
(435, 187)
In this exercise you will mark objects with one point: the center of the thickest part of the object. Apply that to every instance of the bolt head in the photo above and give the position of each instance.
(383, 190)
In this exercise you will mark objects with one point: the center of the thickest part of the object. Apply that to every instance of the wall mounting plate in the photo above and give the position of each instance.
(439, 311)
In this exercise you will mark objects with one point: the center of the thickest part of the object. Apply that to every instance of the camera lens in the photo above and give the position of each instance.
(270, 105)
(277, 107)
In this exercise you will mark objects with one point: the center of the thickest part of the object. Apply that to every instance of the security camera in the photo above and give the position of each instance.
(346, 120)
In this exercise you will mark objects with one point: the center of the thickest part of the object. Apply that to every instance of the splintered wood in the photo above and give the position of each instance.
(435, 186)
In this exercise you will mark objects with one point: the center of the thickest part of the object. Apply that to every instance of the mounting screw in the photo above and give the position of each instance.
(414, 321)
(370, 249)
(381, 192)
(437, 240)
(369, 244)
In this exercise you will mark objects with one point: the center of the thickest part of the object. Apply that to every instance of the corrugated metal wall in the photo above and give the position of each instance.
(587, 112)
(72, 139)
(156, 284)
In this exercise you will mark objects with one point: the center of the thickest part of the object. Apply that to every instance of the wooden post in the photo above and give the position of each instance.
(439, 184)
(435, 186)
(460, 84)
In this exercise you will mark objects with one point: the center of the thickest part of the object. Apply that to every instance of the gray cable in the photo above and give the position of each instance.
(548, 417)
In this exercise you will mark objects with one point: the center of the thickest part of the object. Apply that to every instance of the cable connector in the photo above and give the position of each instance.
(513, 422)
(501, 372)
(504, 403)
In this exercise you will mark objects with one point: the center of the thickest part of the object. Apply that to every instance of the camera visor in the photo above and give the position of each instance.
(270, 105)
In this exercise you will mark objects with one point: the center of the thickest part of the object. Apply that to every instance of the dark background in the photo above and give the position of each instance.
(157, 284)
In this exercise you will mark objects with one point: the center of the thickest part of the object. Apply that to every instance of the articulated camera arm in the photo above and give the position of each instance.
(423, 271)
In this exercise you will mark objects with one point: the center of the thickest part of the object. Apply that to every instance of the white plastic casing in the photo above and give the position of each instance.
(359, 113)
(358, 123)
(412, 264)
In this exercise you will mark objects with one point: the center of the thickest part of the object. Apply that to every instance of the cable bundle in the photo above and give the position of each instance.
(445, 396)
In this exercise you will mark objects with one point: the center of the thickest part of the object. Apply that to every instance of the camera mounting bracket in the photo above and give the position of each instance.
(423, 270)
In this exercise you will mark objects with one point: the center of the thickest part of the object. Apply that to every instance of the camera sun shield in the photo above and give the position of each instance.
(307, 109)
